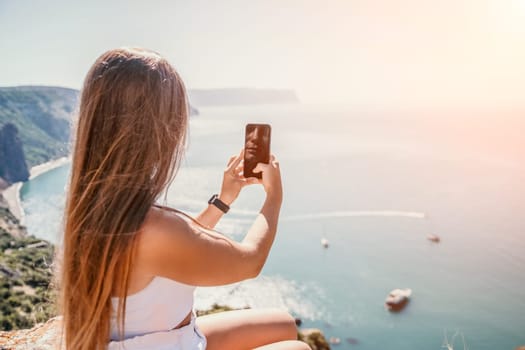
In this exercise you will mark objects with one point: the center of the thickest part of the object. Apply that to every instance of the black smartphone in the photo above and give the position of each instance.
(256, 148)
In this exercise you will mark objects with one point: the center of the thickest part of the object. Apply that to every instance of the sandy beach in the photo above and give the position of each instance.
(12, 193)
(12, 197)
(42, 168)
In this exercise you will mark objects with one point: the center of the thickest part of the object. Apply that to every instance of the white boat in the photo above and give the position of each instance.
(397, 299)
(324, 242)
(334, 341)
(433, 238)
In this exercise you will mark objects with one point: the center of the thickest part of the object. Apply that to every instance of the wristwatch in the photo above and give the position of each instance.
(218, 203)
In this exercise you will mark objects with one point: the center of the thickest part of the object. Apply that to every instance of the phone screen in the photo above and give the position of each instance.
(256, 148)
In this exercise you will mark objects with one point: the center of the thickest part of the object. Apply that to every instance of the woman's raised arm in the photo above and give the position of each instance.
(173, 247)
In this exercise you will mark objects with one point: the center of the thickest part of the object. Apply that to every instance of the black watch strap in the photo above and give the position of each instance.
(218, 203)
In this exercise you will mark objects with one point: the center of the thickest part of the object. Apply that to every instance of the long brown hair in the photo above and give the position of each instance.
(130, 137)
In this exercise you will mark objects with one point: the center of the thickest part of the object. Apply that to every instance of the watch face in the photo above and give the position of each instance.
(218, 203)
(212, 199)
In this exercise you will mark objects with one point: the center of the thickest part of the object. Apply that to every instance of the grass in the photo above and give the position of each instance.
(25, 276)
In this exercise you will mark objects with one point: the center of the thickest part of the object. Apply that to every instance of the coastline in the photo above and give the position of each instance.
(39, 169)
(12, 197)
(12, 193)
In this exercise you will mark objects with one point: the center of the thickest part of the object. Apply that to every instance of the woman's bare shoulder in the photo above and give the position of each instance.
(173, 246)
(163, 225)
(164, 239)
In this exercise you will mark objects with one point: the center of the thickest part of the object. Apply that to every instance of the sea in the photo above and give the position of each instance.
(373, 183)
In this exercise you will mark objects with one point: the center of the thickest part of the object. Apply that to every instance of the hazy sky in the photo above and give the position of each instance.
(382, 52)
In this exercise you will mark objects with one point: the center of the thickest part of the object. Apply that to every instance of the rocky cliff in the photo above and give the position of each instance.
(42, 116)
(13, 167)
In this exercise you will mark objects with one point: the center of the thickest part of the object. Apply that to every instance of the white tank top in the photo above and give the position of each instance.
(160, 306)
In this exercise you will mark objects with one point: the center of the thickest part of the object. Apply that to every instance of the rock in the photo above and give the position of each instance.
(352, 341)
(3, 184)
(314, 338)
(38, 245)
(43, 336)
(8, 222)
(13, 167)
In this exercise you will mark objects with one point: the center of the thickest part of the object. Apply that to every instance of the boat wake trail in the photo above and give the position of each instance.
(356, 213)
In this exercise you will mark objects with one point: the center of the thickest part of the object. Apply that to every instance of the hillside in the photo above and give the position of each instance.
(42, 116)
(25, 275)
(39, 119)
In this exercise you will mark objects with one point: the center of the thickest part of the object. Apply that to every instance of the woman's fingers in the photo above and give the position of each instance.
(258, 168)
(239, 175)
(252, 181)
(274, 161)
(271, 177)
(232, 158)
(262, 166)
(235, 160)
(238, 171)
(235, 168)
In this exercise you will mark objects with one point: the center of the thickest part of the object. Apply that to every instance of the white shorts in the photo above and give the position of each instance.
(188, 337)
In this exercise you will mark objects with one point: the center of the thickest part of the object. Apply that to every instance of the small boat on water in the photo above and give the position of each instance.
(324, 242)
(397, 299)
(433, 238)
(334, 341)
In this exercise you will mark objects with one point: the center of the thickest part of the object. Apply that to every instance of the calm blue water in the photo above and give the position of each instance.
(373, 184)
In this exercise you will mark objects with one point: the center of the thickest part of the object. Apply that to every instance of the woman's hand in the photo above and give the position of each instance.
(271, 178)
(233, 180)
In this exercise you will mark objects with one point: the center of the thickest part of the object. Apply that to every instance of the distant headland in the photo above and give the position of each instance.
(241, 96)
